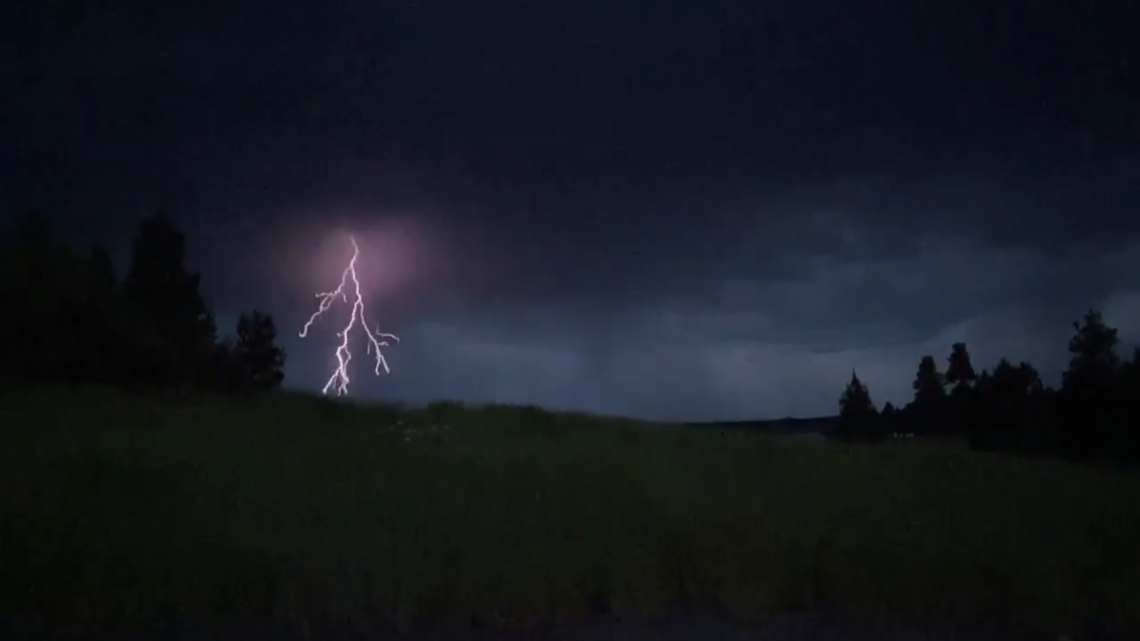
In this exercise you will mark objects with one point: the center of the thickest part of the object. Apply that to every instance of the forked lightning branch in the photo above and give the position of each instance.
(375, 340)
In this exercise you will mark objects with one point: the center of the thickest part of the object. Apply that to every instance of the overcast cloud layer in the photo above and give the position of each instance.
(663, 209)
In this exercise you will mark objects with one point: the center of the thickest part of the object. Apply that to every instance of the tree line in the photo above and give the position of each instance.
(68, 318)
(1091, 417)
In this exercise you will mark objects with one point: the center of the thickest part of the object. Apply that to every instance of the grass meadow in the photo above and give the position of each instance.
(117, 512)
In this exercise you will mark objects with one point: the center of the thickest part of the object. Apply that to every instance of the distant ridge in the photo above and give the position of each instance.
(787, 425)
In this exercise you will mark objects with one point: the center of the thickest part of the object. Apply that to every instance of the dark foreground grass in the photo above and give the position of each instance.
(117, 512)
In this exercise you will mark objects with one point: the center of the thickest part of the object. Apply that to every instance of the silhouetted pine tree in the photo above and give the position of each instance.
(167, 296)
(890, 419)
(1007, 398)
(1093, 352)
(928, 411)
(960, 376)
(54, 305)
(959, 370)
(1094, 407)
(859, 419)
(226, 374)
(257, 353)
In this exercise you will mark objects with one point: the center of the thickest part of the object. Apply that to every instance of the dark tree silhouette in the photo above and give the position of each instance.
(929, 406)
(1093, 360)
(928, 382)
(167, 296)
(959, 370)
(226, 372)
(891, 419)
(54, 302)
(1090, 418)
(1093, 402)
(256, 351)
(75, 322)
(1006, 420)
(961, 377)
(859, 419)
(109, 331)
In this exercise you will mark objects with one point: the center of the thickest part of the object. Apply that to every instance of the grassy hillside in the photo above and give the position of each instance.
(116, 511)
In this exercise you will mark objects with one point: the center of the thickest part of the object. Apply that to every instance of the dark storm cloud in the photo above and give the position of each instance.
(669, 209)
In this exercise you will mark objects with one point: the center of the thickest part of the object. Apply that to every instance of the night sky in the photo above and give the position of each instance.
(666, 209)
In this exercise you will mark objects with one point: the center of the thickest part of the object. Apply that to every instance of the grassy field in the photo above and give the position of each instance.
(116, 512)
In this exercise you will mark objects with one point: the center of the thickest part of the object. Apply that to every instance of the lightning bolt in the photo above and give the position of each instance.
(339, 379)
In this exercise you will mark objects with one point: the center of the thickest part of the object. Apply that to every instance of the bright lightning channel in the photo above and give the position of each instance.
(339, 380)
